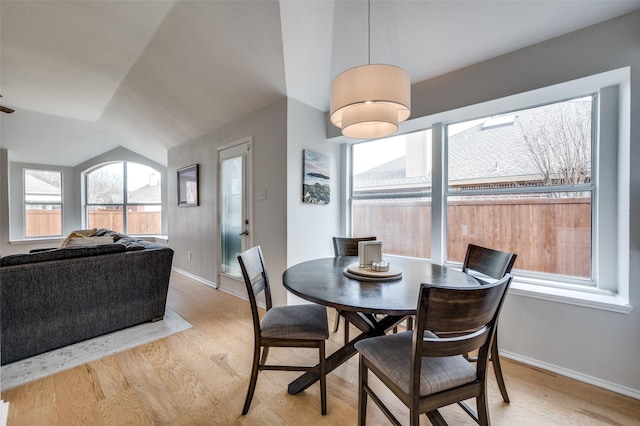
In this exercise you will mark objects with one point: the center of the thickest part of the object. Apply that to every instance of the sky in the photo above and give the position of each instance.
(368, 155)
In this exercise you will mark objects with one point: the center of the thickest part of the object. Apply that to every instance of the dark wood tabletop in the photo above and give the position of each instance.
(322, 281)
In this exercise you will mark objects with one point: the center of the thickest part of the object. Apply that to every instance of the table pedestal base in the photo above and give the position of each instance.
(369, 326)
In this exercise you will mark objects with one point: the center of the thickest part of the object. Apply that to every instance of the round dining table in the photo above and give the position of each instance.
(371, 303)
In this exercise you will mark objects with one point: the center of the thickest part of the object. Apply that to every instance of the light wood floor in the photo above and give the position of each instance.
(200, 377)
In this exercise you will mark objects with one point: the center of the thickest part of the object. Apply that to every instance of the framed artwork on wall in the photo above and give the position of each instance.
(188, 186)
(315, 178)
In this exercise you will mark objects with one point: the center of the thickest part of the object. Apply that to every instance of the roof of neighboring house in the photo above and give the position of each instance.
(391, 173)
(145, 194)
(33, 185)
(492, 150)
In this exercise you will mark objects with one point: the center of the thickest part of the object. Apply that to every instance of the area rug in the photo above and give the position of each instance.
(36, 367)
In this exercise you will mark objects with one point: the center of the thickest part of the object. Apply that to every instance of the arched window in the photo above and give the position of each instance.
(124, 197)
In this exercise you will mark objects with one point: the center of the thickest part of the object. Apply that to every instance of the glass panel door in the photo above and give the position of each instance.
(234, 223)
(231, 224)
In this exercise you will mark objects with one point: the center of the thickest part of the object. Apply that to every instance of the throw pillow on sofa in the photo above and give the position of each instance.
(89, 241)
(78, 233)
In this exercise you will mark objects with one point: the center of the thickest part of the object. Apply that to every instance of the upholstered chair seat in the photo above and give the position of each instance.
(296, 322)
(392, 356)
(293, 326)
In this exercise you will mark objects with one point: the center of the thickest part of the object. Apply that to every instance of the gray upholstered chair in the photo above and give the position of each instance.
(494, 264)
(282, 326)
(346, 246)
(427, 372)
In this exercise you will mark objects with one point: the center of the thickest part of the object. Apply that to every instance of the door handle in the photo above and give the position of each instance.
(244, 233)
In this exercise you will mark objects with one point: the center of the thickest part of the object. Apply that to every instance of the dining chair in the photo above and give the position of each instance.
(282, 326)
(427, 372)
(346, 246)
(494, 264)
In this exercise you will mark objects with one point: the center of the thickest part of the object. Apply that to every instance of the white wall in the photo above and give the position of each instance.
(593, 345)
(310, 226)
(288, 230)
(194, 229)
(4, 202)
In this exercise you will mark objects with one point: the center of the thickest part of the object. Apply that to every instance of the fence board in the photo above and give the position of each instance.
(43, 223)
(49, 222)
(549, 234)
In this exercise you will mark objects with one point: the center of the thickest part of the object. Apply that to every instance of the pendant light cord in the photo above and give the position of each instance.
(369, 30)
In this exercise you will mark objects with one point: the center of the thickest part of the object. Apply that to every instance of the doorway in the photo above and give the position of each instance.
(235, 219)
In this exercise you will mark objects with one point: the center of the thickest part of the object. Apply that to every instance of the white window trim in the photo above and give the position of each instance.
(563, 292)
(611, 239)
(124, 204)
(579, 297)
(25, 204)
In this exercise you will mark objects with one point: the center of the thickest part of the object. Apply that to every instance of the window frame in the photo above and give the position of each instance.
(26, 203)
(610, 177)
(125, 203)
(589, 283)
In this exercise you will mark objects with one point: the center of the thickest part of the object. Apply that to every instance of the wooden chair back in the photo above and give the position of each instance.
(301, 326)
(465, 316)
(256, 280)
(490, 262)
(343, 246)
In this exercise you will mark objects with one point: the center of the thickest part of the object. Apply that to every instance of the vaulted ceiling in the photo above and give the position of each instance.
(87, 76)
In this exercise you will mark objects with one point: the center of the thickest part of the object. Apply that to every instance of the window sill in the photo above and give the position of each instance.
(603, 301)
(44, 240)
(40, 240)
(151, 237)
(566, 293)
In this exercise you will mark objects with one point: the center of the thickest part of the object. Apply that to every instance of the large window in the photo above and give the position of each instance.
(42, 203)
(521, 182)
(124, 197)
(540, 181)
(391, 197)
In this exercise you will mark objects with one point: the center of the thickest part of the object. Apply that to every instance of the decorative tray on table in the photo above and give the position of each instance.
(356, 272)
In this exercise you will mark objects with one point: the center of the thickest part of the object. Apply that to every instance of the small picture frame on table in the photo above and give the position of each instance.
(369, 252)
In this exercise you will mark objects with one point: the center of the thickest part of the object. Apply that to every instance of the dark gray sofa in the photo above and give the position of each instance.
(53, 298)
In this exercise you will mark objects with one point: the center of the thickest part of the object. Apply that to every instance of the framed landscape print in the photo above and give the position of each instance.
(315, 179)
(188, 186)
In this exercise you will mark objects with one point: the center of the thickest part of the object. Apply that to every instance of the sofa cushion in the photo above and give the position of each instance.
(61, 254)
(131, 244)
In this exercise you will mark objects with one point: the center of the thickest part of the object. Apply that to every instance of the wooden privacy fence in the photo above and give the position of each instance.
(548, 234)
(40, 223)
(137, 222)
(49, 222)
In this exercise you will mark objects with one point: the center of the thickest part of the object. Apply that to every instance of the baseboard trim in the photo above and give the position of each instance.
(4, 412)
(242, 296)
(195, 277)
(581, 377)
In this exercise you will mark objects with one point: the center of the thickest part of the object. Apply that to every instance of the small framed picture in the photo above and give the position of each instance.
(188, 186)
(315, 180)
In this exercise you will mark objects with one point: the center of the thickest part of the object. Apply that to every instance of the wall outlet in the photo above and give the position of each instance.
(189, 255)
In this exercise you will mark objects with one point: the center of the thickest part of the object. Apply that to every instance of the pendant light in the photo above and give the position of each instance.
(369, 101)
